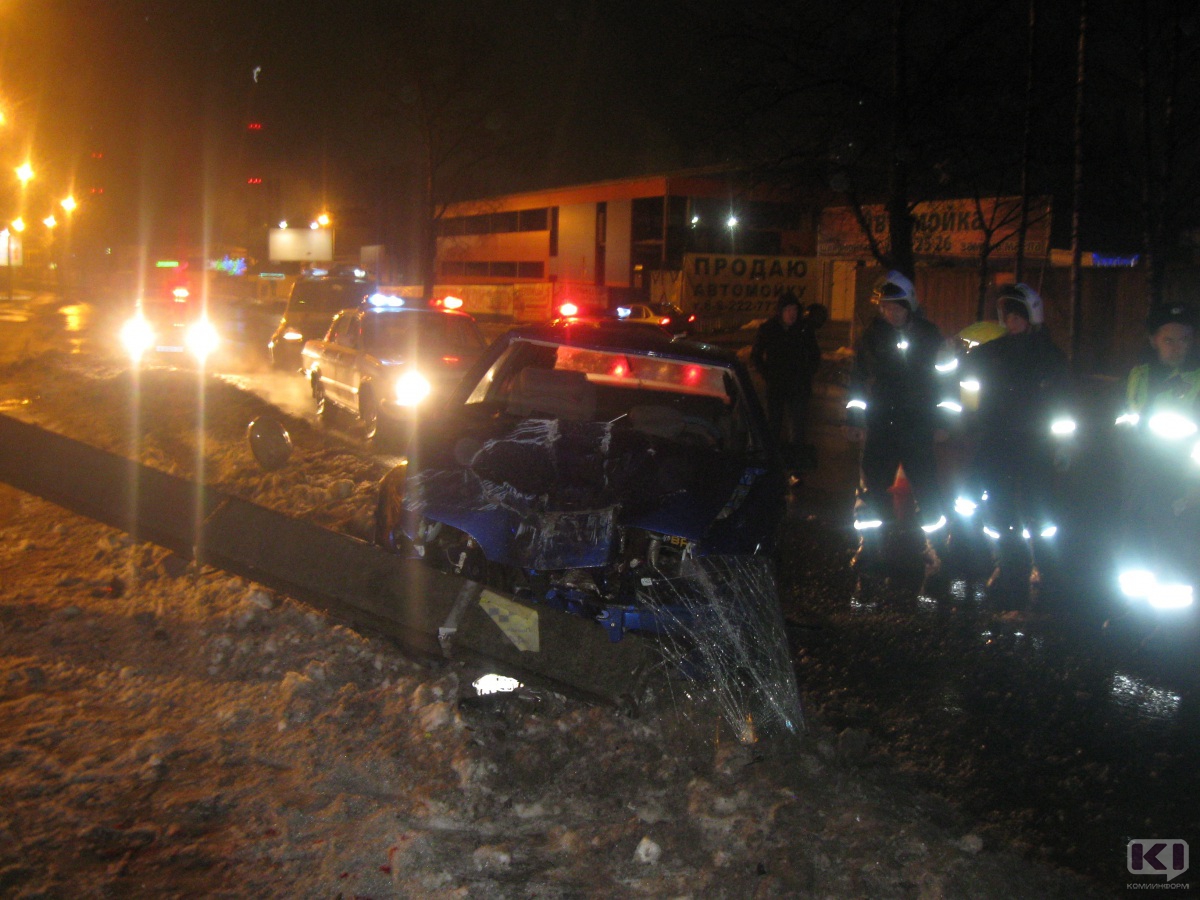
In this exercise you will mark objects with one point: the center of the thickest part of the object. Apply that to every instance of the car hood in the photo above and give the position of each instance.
(551, 494)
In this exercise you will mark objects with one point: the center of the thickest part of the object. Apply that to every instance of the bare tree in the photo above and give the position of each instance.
(445, 104)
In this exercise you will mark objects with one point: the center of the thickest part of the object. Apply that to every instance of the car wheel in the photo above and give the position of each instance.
(368, 415)
(326, 411)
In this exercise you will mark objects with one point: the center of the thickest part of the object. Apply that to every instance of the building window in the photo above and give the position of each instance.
(503, 270)
(503, 222)
(453, 268)
(554, 231)
(477, 224)
(533, 219)
(476, 269)
(531, 270)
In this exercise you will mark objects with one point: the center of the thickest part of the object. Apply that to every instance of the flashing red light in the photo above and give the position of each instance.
(692, 375)
(619, 368)
(569, 309)
(452, 302)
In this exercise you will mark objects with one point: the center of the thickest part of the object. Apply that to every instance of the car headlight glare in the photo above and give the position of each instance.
(1171, 425)
(1141, 584)
(1064, 427)
(137, 336)
(412, 388)
(201, 338)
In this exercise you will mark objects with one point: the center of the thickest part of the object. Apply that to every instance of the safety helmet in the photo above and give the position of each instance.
(895, 287)
(1024, 296)
(1165, 313)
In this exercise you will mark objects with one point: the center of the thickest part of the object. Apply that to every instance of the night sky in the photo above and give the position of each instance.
(165, 89)
(549, 92)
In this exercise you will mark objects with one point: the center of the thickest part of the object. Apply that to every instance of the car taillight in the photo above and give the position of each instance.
(692, 317)
(619, 367)
(665, 320)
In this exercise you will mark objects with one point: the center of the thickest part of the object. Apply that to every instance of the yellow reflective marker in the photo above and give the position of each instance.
(518, 622)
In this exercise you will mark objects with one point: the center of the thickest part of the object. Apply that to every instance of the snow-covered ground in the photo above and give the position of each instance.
(168, 730)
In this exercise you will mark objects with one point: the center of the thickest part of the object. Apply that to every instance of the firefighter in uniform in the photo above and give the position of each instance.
(1023, 431)
(898, 406)
(1160, 509)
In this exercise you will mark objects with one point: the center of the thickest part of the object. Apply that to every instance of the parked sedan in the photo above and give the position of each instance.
(592, 467)
(386, 360)
(314, 299)
(665, 315)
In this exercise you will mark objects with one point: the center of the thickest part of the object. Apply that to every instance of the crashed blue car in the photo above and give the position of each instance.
(594, 468)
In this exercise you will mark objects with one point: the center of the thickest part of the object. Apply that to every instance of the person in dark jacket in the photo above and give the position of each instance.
(898, 406)
(1022, 430)
(787, 355)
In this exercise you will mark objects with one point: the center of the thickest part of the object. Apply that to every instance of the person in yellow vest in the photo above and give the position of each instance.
(1159, 552)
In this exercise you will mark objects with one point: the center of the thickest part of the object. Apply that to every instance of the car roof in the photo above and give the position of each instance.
(612, 334)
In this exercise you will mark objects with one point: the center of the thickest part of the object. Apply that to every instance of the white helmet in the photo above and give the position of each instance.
(1026, 297)
(895, 287)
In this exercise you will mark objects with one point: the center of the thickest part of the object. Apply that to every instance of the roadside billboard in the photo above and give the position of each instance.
(942, 228)
(749, 286)
(300, 245)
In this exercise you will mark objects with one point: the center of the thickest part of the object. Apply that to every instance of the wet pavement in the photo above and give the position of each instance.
(1070, 726)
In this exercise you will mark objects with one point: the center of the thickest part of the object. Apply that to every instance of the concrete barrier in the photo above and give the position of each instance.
(427, 611)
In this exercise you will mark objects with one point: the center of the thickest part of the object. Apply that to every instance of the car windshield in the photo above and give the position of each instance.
(391, 333)
(666, 397)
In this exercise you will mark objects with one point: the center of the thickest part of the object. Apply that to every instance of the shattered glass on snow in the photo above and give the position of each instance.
(725, 645)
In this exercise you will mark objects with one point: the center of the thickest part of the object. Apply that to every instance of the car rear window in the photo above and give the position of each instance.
(436, 332)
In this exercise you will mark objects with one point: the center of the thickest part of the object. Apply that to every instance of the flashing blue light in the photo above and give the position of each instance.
(624, 312)
(385, 301)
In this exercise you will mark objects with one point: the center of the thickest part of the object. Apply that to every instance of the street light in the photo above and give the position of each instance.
(24, 173)
(68, 204)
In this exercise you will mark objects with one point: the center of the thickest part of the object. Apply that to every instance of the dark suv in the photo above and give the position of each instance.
(312, 305)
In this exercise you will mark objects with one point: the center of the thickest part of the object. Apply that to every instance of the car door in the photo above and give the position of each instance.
(341, 349)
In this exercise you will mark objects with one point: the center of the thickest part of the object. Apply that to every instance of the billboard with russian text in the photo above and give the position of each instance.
(716, 284)
(942, 228)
